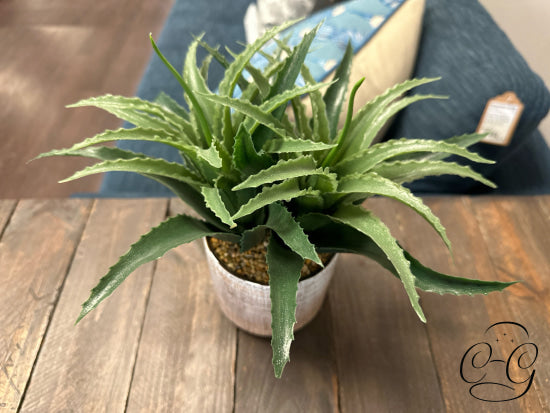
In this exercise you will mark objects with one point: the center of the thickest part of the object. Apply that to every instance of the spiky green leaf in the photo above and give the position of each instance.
(321, 129)
(366, 222)
(170, 104)
(256, 113)
(301, 119)
(367, 159)
(196, 82)
(364, 118)
(284, 169)
(170, 234)
(214, 201)
(334, 153)
(245, 157)
(198, 112)
(336, 94)
(285, 226)
(284, 268)
(284, 191)
(408, 171)
(330, 236)
(291, 145)
(374, 184)
(234, 70)
(144, 166)
(138, 112)
(464, 141)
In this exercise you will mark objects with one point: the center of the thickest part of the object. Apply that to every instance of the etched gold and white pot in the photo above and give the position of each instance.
(248, 305)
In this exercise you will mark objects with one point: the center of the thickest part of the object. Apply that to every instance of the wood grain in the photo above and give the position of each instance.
(6, 208)
(309, 382)
(516, 233)
(187, 351)
(35, 252)
(160, 342)
(382, 349)
(88, 367)
(54, 54)
(454, 323)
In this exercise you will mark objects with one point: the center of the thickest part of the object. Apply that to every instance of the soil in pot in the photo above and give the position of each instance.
(251, 265)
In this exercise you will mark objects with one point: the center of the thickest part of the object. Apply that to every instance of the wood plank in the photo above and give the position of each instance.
(35, 251)
(187, 351)
(6, 208)
(382, 349)
(309, 382)
(88, 367)
(516, 231)
(60, 52)
(454, 323)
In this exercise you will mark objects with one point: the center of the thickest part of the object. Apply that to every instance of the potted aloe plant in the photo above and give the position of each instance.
(293, 187)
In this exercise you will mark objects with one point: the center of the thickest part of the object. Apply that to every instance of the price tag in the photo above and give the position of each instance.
(500, 118)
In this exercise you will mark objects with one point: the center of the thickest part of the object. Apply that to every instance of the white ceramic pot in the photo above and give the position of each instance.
(248, 305)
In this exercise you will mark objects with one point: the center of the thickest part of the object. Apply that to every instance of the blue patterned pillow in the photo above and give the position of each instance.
(356, 21)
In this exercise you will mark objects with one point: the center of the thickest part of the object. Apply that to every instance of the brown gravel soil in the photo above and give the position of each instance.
(251, 265)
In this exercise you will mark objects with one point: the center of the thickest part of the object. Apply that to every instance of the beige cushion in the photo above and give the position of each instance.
(389, 56)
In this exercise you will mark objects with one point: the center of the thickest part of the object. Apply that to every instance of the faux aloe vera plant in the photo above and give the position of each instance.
(253, 174)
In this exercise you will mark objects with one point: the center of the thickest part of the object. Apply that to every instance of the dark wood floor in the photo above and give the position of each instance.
(56, 52)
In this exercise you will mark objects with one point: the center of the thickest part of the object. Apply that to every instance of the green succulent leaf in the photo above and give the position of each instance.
(286, 79)
(365, 117)
(170, 104)
(367, 159)
(284, 97)
(321, 129)
(283, 223)
(254, 112)
(135, 134)
(342, 135)
(378, 123)
(198, 112)
(330, 236)
(205, 67)
(214, 201)
(408, 171)
(301, 118)
(252, 237)
(234, 70)
(144, 166)
(284, 268)
(245, 157)
(170, 234)
(462, 141)
(294, 63)
(138, 112)
(374, 184)
(284, 191)
(432, 281)
(259, 80)
(365, 222)
(282, 170)
(291, 145)
(336, 94)
(196, 82)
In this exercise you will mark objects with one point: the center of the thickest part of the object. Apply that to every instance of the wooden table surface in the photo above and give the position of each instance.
(160, 343)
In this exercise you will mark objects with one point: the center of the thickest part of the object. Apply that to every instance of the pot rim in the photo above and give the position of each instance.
(263, 287)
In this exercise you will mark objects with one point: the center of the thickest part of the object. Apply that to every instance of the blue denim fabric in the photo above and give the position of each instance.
(462, 44)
